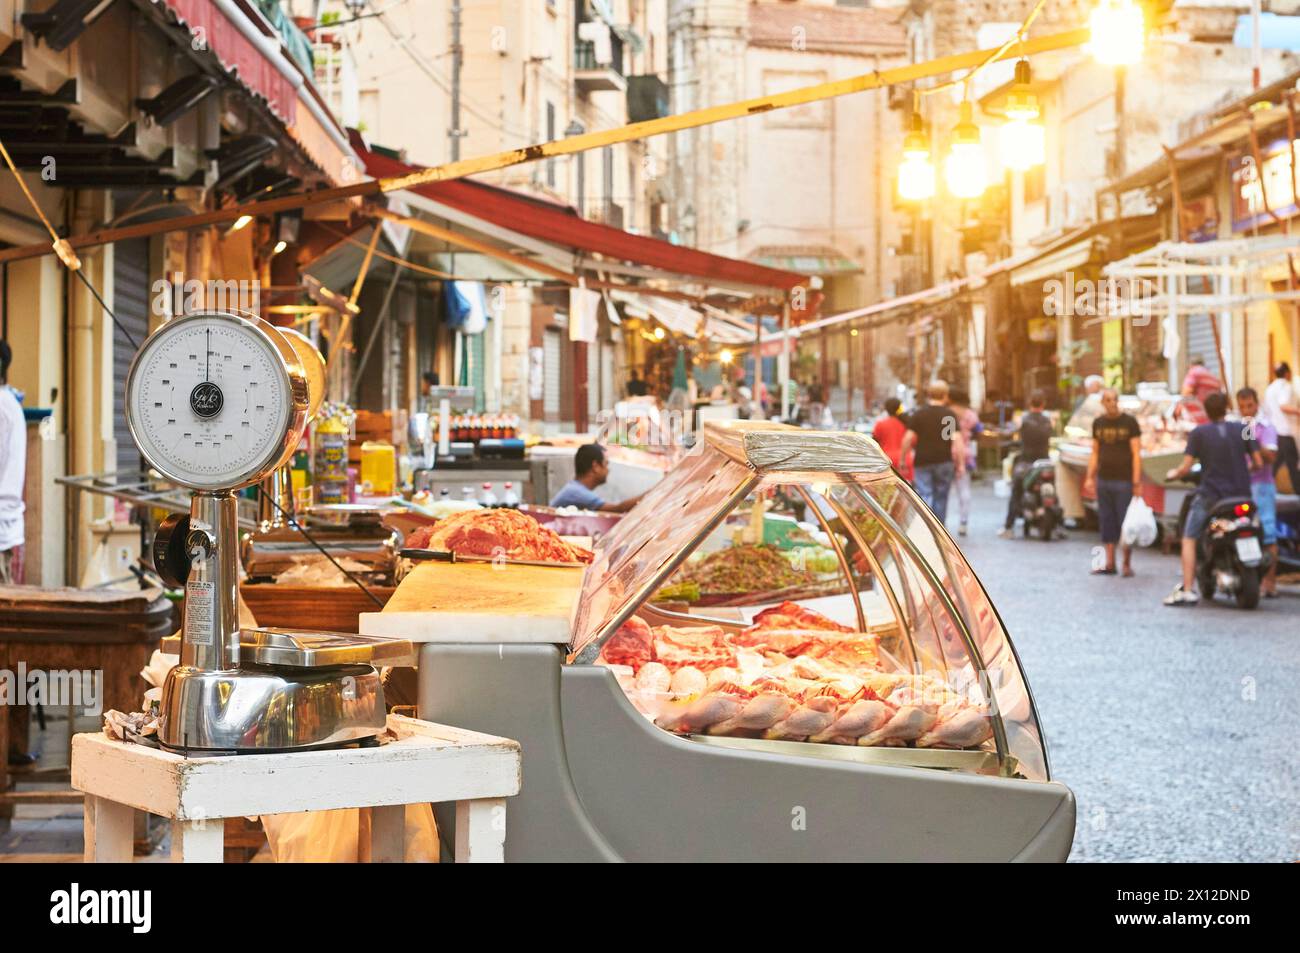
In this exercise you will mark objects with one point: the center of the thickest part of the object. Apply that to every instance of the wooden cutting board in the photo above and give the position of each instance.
(480, 602)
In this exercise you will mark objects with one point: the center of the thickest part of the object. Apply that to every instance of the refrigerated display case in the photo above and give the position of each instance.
(868, 705)
(1165, 420)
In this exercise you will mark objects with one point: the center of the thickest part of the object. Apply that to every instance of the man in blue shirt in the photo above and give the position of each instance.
(1224, 448)
(591, 470)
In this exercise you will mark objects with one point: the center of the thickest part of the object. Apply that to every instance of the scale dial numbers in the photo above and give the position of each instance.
(210, 401)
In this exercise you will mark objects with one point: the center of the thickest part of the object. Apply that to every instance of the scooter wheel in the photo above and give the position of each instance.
(1205, 580)
(1248, 591)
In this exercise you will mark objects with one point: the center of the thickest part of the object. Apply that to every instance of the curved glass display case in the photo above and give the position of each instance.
(785, 590)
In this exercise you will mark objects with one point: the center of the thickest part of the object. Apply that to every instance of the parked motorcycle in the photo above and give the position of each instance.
(1288, 533)
(1230, 554)
(1040, 506)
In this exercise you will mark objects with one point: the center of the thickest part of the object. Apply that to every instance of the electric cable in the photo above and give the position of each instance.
(293, 522)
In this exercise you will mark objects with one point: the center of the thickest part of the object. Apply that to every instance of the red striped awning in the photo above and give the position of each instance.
(239, 55)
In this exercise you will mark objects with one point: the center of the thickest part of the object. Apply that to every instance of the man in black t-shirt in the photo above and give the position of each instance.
(1035, 430)
(1114, 475)
(931, 430)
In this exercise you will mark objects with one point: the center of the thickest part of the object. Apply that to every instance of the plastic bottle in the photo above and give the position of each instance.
(487, 498)
(467, 494)
(511, 499)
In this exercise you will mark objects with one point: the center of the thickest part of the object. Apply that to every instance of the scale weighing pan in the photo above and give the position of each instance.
(290, 649)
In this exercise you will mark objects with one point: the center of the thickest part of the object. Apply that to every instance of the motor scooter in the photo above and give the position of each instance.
(1040, 506)
(1230, 555)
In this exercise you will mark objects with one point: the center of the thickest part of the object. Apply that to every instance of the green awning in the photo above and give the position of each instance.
(824, 264)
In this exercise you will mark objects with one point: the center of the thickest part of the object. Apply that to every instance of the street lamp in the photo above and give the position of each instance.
(1023, 137)
(916, 171)
(1118, 29)
(964, 170)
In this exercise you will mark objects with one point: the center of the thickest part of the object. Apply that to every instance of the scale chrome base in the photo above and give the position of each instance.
(294, 691)
(262, 709)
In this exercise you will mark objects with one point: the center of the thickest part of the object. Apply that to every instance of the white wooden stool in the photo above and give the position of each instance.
(427, 763)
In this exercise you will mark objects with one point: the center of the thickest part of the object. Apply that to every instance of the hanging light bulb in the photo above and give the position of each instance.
(1024, 141)
(916, 171)
(1118, 29)
(964, 169)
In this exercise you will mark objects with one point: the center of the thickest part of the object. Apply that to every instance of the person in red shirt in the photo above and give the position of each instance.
(1200, 382)
(888, 431)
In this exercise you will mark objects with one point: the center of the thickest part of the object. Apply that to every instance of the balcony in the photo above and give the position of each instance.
(647, 98)
(592, 76)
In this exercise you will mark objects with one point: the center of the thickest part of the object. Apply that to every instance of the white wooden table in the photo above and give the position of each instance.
(427, 763)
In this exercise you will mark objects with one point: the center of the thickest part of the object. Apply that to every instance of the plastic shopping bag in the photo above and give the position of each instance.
(1139, 527)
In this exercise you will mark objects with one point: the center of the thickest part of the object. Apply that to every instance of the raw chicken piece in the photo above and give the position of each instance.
(654, 678)
(908, 724)
(719, 677)
(855, 720)
(709, 710)
(688, 681)
(671, 714)
(967, 729)
(807, 667)
(760, 712)
(811, 718)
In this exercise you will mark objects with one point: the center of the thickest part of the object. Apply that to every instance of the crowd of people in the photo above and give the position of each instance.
(933, 448)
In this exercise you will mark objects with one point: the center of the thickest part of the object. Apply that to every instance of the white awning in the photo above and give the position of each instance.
(1054, 263)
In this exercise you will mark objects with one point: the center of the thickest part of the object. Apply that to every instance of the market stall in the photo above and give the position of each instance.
(861, 697)
(1165, 420)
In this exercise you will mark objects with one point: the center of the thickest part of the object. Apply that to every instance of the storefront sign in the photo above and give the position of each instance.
(1250, 186)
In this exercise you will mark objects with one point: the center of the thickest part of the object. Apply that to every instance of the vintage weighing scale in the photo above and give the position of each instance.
(217, 401)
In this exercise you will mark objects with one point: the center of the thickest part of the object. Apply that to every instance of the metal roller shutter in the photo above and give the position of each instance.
(609, 396)
(593, 383)
(131, 305)
(1200, 332)
(551, 374)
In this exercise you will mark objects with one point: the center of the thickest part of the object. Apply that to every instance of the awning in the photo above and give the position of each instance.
(252, 52)
(559, 225)
(808, 260)
(678, 317)
(1060, 258)
(337, 267)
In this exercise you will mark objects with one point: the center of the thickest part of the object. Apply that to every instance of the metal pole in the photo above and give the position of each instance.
(457, 61)
(785, 362)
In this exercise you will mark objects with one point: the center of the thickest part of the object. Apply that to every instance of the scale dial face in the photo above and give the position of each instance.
(214, 401)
